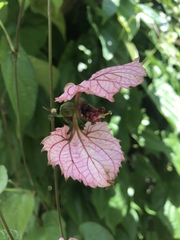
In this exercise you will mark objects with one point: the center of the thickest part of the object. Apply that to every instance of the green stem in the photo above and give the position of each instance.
(51, 106)
(8, 37)
(18, 26)
(15, 55)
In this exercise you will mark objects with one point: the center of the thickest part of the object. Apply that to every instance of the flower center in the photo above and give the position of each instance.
(81, 111)
(90, 113)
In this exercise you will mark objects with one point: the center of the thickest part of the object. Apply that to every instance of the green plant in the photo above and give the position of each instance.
(86, 37)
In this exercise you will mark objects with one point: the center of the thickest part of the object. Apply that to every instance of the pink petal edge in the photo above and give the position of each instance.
(107, 82)
(92, 156)
(69, 238)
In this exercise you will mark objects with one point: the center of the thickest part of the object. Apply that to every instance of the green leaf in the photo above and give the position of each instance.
(17, 207)
(164, 222)
(42, 73)
(33, 34)
(113, 218)
(40, 118)
(173, 141)
(130, 224)
(109, 9)
(151, 235)
(173, 214)
(57, 4)
(153, 142)
(92, 231)
(39, 6)
(122, 234)
(126, 17)
(100, 198)
(120, 193)
(26, 78)
(108, 38)
(3, 178)
(26, 4)
(77, 209)
(1, 129)
(131, 49)
(109, 207)
(150, 16)
(118, 207)
(159, 196)
(174, 188)
(167, 101)
(5, 236)
(48, 229)
(3, 10)
(106, 34)
(144, 167)
(10, 156)
(134, 111)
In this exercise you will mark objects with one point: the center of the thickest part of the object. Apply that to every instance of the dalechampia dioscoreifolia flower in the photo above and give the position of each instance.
(69, 238)
(88, 152)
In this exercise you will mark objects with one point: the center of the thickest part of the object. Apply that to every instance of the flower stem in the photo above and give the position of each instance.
(51, 106)
(77, 98)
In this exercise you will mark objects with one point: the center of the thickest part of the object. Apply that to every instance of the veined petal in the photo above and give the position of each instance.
(92, 156)
(107, 82)
(69, 238)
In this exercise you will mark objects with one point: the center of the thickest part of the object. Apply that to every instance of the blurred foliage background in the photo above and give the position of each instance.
(88, 36)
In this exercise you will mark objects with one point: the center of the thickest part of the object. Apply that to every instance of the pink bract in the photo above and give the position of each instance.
(69, 238)
(107, 82)
(92, 155)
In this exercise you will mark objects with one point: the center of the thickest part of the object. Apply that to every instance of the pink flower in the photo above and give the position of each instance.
(89, 153)
(107, 82)
(69, 238)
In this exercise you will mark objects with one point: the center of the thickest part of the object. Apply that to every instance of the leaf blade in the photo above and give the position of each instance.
(27, 84)
(107, 82)
(92, 156)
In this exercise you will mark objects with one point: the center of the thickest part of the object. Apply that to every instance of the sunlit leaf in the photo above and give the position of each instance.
(173, 141)
(167, 101)
(173, 214)
(3, 178)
